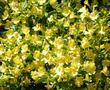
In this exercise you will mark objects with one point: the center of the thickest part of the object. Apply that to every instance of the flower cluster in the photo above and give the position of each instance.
(60, 44)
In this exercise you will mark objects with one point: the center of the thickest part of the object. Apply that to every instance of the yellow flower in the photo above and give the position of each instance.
(74, 70)
(89, 67)
(79, 81)
(15, 50)
(24, 56)
(37, 55)
(8, 54)
(41, 2)
(72, 29)
(49, 33)
(16, 71)
(45, 50)
(98, 77)
(66, 11)
(93, 15)
(82, 26)
(29, 66)
(24, 48)
(105, 71)
(5, 15)
(25, 29)
(71, 44)
(3, 68)
(34, 75)
(11, 40)
(85, 43)
(59, 70)
(41, 71)
(17, 36)
(106, 63)
(66, 23)
(58, 43)
(16, 20)
(36, 39)
(88, 78)
(51, 18)
(37, 27)
(17, 60)
(2, 49)
(90, 54)
(10, 33)
(27, 37)
(107, 46)
(14, 5)
(84, 12)
(53, 3)
(91, 86)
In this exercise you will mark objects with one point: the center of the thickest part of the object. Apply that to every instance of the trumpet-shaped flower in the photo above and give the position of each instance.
(89, 66)
(79, 81)
(93, 15)
(17, 60)
(105, 71)
(37, 55)
(24, 48)
(85, 43)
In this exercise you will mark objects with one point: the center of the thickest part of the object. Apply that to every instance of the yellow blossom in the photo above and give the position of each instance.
(72, 29)
(16, 20)
(3, 68)
(84, 12)
(16, 71)
(105, 71)
(75, 65)
(37, 55)
(17, 60)
(53, 3)
(41, 71)
(41, 2)
(8, 54)
(25, 29)
(90, 54)
(85, 43)
(58, 43)
(36, 39)
(89, 66)
(37, 27)
(106, 63)
(82, 26)
(24, 55)
(5, 15)
(2, 49)
(98, 77)
(49, 33)
(16, 50)
(107, 46)
(14, 5)
(79, 81)
(59, 70)
(91, 86)
(88, 78)
(34, 75)
(66, 11)
(71, 44)
(93, 15)
(24, 48)
(10, 33)
(66, 23)
(27, 37)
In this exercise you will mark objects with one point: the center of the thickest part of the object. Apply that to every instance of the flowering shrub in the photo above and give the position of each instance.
(60, 45)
